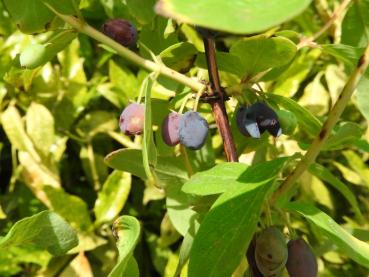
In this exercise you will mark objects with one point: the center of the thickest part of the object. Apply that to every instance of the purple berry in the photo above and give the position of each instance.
(301, 260)
(120, 30)
(170, 129)
(131, 120)
(193, 130)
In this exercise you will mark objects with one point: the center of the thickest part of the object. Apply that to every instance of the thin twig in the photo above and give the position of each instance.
(218, 107)
(84, 28)
(327, 127)
(186, 160)
(337, 13)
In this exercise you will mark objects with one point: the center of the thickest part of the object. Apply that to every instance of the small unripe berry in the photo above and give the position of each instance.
(131, 121)
(120, 30)
(170, 129)
(270, 252)
(193, 130)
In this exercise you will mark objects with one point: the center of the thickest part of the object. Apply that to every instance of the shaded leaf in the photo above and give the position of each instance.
(355, 26)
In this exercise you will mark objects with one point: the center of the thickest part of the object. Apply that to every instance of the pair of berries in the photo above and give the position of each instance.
(189, 129)
(254, 120)
(272, 254)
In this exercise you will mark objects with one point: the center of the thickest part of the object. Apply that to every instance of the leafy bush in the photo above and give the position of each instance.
(79, 197)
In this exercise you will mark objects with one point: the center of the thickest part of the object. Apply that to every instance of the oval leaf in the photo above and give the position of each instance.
(242, 17)
(227, 231)
(45, 230)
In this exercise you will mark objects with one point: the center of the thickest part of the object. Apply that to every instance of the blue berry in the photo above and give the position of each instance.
(193, 130)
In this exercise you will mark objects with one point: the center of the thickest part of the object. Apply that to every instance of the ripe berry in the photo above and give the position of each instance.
(193, 130)
(170, 129)
(122, 31)
(271, 252)
(266, 119)
(301, 260)
(131, 120)
(246, 122)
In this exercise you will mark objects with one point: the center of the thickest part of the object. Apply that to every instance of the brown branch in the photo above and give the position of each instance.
(217, 105)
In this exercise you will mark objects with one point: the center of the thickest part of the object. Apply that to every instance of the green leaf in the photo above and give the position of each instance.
(149, 153)
(224, 176)
(227, 231)
(179, 56)
(259, 53)
(362, 94)
(355, 26)
(127, 230)
(114, 194)
(226, 62)
(232, 16)
(40, 127)
(14, 129)
(325, 175)
(348, 244)
(35, 55)
(344, 53)
(45, 230)
(75, 211)
(29, 16)
(345, 135)
(142, 10)
(96, 122)
(129, 160)
(171, 175)
(307, 120)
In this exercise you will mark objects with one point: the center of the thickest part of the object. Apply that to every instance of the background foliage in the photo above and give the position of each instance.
(62, 186)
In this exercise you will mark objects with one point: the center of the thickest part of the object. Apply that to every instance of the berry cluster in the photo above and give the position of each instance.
(272, 254)
(189, 129)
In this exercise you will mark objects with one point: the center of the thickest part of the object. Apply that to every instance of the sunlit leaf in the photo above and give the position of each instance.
(232, 16)
(45, 230)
